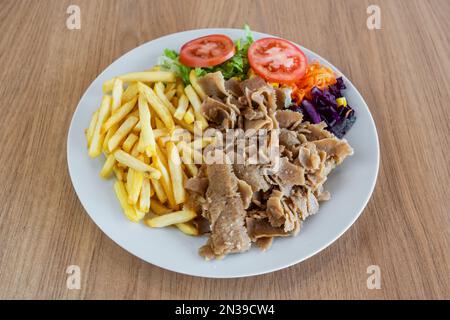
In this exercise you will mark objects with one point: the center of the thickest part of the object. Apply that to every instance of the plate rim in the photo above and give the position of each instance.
(247, 274)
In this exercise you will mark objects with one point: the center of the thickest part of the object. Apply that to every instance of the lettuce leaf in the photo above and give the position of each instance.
(170, 61)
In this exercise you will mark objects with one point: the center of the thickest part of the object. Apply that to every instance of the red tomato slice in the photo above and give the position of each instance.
(277, 60)
(207, 51)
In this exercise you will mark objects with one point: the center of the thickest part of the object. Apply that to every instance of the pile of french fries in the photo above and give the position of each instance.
(136, 128)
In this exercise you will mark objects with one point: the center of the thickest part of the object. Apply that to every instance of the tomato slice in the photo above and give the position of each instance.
(207, 51)
(277, 60)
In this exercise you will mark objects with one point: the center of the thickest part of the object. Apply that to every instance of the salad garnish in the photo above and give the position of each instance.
(236, 66)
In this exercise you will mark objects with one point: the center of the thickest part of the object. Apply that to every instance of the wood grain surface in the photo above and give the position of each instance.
(401, 70)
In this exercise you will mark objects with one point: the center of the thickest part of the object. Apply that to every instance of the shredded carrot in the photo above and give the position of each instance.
(316, 75)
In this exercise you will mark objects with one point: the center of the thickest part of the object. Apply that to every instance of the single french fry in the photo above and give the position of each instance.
(193, 98)
(124, 129)
(130, 92)
(170, 219)
(147, 137)
(187, 228)
(196, 105)
(144, 197)
(91, 128)
(95, 149)
(108, 136)
(157, 106)
(135, 188)
(195, 85)
(117, 95)
(108, 167)
(129, 142)
(136, 164)
(129, 181)
(161, 165)
(149, 76)
(183, 104)
(159, 191)
(189, 116)
(159, 90)
(122, 195)
(119, 114)
(158, 208)
(176, 173)
(108, 85)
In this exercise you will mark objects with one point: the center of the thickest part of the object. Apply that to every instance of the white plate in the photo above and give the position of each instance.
(351, 184)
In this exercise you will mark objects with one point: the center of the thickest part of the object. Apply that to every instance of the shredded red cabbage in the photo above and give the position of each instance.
(323, 107)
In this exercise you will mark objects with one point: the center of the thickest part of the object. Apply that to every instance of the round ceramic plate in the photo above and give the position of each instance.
(351, 184)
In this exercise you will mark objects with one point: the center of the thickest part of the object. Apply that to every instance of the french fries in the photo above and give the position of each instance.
(135, 186)
(149, 76)
(196, 105)
(129, 142)
(144, 197)
(159, 191)
(183, 104)
(144, 127)
(118, 172)
(121, 133)
(159, 90)
(176, 173)
(189, 116)
(91, 128)
(122, 195)
(170, 219)
(195, 85)
(108, 136)
(136, 164)
(119, 114)
(157, 106)
(187, 228)
(108, 85)
(95, 148)
(117, 94)
(147, 137)
(131, 92)
(158, 208)
(108, 167)
(161, 165)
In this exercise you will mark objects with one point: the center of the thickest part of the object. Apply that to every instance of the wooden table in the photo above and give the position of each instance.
(401, 70)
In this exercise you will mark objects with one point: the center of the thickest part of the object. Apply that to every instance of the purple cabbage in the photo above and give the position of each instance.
(336, 88)
(310, 110)
(323, 107)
